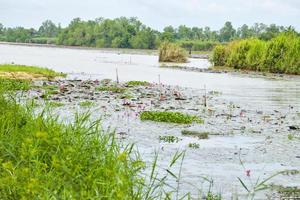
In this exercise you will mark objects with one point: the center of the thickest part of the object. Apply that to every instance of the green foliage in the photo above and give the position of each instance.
(169, 139)
(197, 45)
(137, 83)
(86, 103)
(170, 117)
(41, 158)
(15, 85)
(200, 135)
(114, 89)
(194, 145)
(30, 69)
(279, 55)
(55, 104)
(219, 55)
(170, 52)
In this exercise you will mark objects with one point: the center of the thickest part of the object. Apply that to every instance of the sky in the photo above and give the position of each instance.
(154, 13)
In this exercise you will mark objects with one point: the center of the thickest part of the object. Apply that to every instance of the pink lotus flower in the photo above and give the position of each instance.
(248, 172)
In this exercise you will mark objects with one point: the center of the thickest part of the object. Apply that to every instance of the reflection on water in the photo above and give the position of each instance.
(259, 92)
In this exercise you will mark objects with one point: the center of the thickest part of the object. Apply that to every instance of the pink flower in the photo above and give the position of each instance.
(248, 172)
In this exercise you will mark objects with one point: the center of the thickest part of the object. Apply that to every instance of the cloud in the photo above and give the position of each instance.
(156, 13)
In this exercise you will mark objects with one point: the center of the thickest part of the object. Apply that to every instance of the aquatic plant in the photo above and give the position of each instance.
(194, 145)
(115, 89)
(169, 139)
(137, 83)
(199, 134)
(86, 103)
(170, 117)
(55, 104)
(169, 52)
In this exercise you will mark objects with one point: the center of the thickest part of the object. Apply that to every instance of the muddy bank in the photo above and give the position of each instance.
(267, 141)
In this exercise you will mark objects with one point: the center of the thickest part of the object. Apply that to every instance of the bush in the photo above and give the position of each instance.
(219, 55)
(279, 55)
(195, 45)
(169, 52)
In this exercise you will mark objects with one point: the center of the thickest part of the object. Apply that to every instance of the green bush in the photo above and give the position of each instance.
(170, 52)
(170, 117)
(219, 55)
(279, 55)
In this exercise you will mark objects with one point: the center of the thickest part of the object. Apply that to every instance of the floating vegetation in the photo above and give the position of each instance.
(170, 117)
(114, 89)
(86, 103)
(55, 104)
(169, 52)
(169, 139)
(194, 145)
(137, 83)
(200, 135)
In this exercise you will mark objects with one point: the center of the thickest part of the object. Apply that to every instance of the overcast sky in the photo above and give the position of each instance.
(155, 13)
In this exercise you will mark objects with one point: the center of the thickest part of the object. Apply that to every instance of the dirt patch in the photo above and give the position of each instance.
(22, 76)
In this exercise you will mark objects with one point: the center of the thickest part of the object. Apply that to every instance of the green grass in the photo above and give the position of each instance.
(169, 117)
(14, 85)
(200, 135)
(86, 103)
(114, 89)
(194, 145)
(137, 83)
(278, 55)
(44, 72)
(42, 158)
(169, 139)
(55, 104)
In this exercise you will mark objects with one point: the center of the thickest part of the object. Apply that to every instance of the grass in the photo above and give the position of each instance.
(194, 145)
(14, 85)
(278, 55)
(86, 103)
(55, 104)
(27, 72)
(169, 139)
(114, 89)
(42, 158)
(169, 117)
(169, 52)
(200, 135)
(137, 83)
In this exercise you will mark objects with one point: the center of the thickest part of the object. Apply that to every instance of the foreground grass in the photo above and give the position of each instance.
(169, 117)
(42, 158)
(27, 72)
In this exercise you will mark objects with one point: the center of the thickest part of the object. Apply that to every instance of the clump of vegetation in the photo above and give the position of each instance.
(170, 52)
(137, 83)
(55, 104)
(194, 145)
(170, 117)
(290, 136)
(279, 55)
(169, 139)
(86, 103)
(27, 72)
(41, 157)
(200, 135)
(14, 85)
(114, 89)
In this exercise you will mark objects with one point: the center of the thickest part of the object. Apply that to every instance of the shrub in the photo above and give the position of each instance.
(219, 55)
(169, 52)
(170, 117)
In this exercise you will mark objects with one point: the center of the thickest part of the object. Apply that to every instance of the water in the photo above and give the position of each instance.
(262, 93)
(217, 158)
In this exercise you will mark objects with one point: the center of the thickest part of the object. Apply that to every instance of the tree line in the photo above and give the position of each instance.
(131, 33)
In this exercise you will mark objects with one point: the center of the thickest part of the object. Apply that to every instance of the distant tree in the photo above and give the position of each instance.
(244, 32)
(48, 29)
(227, 32)
(169, 34)
(1, 28)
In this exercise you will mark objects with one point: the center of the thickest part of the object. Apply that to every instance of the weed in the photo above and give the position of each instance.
(200, 135)
(86, 103)
(170, 117)
(137, 83)
(169, 139)
(194, 145)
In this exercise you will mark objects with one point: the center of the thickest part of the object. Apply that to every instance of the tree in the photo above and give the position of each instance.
(227, 32)
(48, 29)
(169, 34)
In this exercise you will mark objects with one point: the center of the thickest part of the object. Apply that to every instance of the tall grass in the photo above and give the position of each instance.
(279, 55)
(170, 52)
